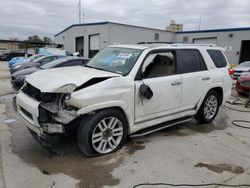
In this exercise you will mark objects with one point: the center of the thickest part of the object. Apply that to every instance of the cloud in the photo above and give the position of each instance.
(46, 18)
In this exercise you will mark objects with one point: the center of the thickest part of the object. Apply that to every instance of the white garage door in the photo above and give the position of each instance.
(95, 42)
(206, 40)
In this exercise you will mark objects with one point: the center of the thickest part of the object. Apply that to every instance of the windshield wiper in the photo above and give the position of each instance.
(87, 66)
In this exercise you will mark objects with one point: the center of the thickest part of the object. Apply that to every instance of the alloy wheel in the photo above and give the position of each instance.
(107, 135)
(211, 106)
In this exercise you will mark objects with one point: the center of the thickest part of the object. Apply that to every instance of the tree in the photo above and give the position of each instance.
(47, 40)
(35, 39)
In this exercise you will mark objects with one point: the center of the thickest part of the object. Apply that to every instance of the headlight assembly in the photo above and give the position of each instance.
(68, 88)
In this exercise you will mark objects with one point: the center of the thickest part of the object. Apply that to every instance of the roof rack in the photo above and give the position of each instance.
(193, 44)
(179, 44)
(155, 43)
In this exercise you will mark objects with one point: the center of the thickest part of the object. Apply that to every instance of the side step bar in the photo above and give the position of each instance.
(159, 127)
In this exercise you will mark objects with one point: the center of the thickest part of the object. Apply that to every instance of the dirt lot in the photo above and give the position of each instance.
(187, 153)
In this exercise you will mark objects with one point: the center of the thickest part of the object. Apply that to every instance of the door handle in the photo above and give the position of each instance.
(206, 78)
(177, 83)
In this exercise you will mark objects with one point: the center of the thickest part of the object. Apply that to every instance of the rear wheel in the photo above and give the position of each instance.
(209, 108)
(102, 133)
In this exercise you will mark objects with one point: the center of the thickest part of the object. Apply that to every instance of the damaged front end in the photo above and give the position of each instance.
(54, 113)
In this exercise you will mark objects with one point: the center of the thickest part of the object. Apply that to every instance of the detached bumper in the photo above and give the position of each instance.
(28, 109)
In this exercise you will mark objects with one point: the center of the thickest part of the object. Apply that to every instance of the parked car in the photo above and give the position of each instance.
(243, 84)
(7, 56)
(17, 78)
(126, 90)
(18, 60)
(241, 69)
(4, 56)
(36, 63)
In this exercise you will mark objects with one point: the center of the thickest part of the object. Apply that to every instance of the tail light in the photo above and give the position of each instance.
(230, 72)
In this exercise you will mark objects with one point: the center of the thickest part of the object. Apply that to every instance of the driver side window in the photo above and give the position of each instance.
(159, 64)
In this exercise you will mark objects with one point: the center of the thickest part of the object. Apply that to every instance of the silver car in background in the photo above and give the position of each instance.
(241, 69)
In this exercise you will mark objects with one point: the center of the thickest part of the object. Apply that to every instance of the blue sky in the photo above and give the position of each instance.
(21, 18)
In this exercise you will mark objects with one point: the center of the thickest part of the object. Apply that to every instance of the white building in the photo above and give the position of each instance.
(89, 38)
(236, 41)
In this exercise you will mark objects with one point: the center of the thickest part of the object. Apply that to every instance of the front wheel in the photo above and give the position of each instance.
(102, 133)
(209, 108)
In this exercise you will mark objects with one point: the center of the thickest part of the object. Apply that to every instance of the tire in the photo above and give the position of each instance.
(209, 108)
(102, 133)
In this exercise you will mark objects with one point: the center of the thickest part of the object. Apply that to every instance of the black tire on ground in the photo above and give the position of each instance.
(88, 126)
(200, 116)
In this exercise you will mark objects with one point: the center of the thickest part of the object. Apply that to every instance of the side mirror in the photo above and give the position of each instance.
(145, 91)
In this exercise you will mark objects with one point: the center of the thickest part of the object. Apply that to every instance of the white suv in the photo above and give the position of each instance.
(126, 90)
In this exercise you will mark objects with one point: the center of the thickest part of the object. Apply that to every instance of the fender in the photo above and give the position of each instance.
(110, 104)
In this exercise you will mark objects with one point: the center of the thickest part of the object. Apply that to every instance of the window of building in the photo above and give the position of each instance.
(94, 45)
(218, 58)
(192, 61)
(185, 39)
(157, 36)
(159, 64)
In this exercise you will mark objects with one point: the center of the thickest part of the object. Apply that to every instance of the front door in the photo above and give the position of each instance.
(159, 73)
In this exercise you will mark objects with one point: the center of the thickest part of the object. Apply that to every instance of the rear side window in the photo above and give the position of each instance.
(218, 58)
(192, 61)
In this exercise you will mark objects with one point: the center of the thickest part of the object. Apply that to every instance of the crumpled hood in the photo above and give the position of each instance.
(52, 79)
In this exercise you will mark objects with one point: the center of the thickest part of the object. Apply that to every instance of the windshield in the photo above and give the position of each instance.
(245, 64)
(118, 60)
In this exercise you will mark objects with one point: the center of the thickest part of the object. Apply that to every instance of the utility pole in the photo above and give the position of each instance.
(200, 23)
(80, 11)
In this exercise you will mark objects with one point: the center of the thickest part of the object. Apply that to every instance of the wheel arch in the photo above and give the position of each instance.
(121, 106)
(218, 90)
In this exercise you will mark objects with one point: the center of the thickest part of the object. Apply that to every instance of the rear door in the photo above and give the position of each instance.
(196, 77)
